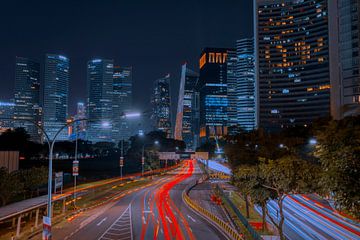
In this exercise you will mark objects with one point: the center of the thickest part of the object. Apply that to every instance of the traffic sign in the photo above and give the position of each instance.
(143, 160)
(121, 161)
(46, 235)
(75, 169)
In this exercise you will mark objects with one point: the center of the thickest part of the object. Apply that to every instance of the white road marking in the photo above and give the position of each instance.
(103, 220)
(167, 218)
(192, 219)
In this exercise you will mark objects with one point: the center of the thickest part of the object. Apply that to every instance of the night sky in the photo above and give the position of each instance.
(155, 37)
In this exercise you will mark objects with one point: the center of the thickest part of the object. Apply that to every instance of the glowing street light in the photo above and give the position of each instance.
(312, 141)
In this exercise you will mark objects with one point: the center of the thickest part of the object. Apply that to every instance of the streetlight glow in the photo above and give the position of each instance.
(131, 115)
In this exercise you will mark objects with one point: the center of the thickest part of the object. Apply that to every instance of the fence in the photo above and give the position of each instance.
(224, 226)
(243, 220)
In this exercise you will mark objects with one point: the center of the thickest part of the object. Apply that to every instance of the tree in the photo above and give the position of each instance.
(9, 186)
(285, 176)
(32, 179)
(250, 182)
(339, 151)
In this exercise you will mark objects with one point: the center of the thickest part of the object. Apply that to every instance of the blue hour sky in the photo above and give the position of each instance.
(154, 37)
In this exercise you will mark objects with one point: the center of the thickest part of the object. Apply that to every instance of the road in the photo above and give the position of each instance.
(307, 217)
(155, 211)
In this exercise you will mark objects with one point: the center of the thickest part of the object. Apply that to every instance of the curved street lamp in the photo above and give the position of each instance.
(51, 143)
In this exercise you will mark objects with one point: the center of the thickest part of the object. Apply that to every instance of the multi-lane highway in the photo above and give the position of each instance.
(154, 211)
(307, 217)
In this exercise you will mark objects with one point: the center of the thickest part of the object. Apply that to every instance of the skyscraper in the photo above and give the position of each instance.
(212, 87)
(161, 103)
(184, 129)
(345, 62)
(56, 91)
(292, 62)
(232, 94)
(245, 87)
(122, 102)
(6, 114)
(81, 126)
(100, 96)
(27, 96)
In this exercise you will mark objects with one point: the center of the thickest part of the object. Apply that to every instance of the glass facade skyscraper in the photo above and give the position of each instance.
(245, 87)
(184, 129)
(212, 88)
(122, 102)
(56, 91)
(348, 13)
(6, 115)
(100, 96)
(232, 94)
(27, 96)
(161, 104)
(292, 62)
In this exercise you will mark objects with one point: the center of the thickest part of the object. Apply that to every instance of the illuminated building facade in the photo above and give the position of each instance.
(56, 92)
(184, 129)
(6, 114)
(345, 41)
(161, 104)
(122, 102)
(100, 97)
(245, 87)
(27, 96)
(212, 88)
(232, 94)
(292, 62)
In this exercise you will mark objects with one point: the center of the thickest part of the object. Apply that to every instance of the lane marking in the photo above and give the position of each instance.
(103, 220)
(167, 218)
(191, 218)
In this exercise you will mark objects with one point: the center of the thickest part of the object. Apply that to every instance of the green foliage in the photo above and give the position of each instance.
(339, 152)
(10, 186)
(32, 180)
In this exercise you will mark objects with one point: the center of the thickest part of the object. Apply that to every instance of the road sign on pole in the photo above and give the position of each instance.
(121, 161)
(143, 160)
(75, 169)
(46, 235)
(58, 181)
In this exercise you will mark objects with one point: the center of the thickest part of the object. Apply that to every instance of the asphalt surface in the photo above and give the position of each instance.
(155, 211)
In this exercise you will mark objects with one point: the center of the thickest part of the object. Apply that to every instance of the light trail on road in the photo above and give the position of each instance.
(308, 218)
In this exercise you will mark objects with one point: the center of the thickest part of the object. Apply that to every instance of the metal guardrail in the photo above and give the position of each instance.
(243, 220)
(224, 226)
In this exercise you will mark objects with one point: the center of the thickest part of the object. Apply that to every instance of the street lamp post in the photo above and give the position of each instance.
(143, 160)
(74, 163)
(122, 159)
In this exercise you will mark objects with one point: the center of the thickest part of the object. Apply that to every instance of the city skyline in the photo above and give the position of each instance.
(126, 46)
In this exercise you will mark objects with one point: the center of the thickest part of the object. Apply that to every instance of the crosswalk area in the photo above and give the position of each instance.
(121, 229)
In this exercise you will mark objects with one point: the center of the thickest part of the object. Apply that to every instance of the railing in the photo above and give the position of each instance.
(220, 223)
(243, 220)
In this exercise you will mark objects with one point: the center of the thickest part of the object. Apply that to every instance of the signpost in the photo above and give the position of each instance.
(58, 182)
(121, 167)
(46, 234)
(142, 164)
(75, 173)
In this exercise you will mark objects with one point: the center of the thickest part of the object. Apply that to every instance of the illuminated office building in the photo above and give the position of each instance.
(122, 102)
(6, 114)
(232, 94)
(100, 97)
(184, 126)
(245, 87)
(27, 109)
(292, 62)
(161, 105)
(56, 92)
(345, 47)
(212, 88)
